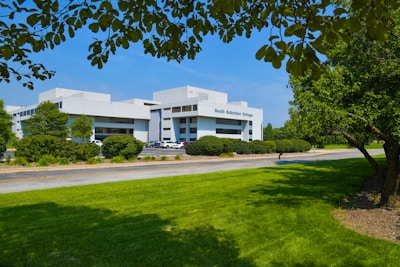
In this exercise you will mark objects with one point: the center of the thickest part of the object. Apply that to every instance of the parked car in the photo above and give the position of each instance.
(97, 142)
(166, 144)
(178, 145)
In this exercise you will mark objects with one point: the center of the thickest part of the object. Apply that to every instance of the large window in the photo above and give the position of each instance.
(187, 108)
(114, 120)
(228, 122)
(176, 109)
(227, 131)
(193, 130)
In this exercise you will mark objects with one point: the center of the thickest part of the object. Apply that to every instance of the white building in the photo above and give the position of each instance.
(180, 114)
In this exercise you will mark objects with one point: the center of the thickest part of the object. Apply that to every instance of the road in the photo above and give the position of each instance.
(43, 178)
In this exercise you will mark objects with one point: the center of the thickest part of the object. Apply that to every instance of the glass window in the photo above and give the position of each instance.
(182, 130)
(182, 120)
(227, 131)
(194, 107)
(187, 108)
(176, 109)
(193, 120)
(228, 122)
(193, 130)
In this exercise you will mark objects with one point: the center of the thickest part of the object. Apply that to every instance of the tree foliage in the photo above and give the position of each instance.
(295, 30)
(5, 128)
(81, 127)
(358, 98)
(48, 120)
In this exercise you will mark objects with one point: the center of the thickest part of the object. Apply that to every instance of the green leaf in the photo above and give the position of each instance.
(32, 19)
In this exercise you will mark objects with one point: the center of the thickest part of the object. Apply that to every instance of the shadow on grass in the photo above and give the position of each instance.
(327, 181)
(49, 234)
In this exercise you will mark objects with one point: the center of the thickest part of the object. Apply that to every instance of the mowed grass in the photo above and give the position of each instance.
(279, 216)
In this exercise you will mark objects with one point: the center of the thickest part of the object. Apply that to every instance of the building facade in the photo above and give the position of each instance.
(179, 114)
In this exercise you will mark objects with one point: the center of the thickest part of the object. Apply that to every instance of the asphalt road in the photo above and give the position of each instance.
(43, 178)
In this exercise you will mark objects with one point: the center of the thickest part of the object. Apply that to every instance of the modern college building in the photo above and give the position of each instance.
(179, 114)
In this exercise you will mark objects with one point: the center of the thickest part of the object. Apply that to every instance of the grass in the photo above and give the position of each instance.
(278, 216)
(344, 146)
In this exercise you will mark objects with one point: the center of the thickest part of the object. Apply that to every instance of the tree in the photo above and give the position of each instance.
(48, 120)
(81, 127)
(5, 128)
(268, 132)
(357, 99)
(175, 29)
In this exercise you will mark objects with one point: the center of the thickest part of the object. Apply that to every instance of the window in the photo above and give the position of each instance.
(193, 130)
(193, 120)
(250, 123)
(187, 108)
(227, 131)
(167, 108)
(194, 107)
(250, 131)
(228, 122)
(167, 119)
(182, 120)
(176, 109)
(182, 130)
(167, 129)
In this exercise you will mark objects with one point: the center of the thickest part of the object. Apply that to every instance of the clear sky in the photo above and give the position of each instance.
(230, 68)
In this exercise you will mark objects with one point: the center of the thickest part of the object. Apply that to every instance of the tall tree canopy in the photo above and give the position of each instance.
(358, 98)
(5, 128)
(48, 120)
(294, 30)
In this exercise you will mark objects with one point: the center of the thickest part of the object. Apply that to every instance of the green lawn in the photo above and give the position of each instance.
(370, 146)
(278, 216)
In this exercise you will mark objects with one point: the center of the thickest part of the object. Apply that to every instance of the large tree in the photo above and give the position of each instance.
(47, 120)
(175, 29)
(5, 128)
(358, 98)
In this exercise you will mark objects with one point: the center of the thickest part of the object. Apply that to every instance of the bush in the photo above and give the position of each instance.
(117, 159)
(206, 145)
(34, 147)
(178, 157)
(284, 146)
(91, 160)
(240, 147)
(21, 161)
(85, 151)
(301, 145)
(149, 157)
(46, 160)
(258, 147)
(123, 145)
(271, 146)
(3, 146)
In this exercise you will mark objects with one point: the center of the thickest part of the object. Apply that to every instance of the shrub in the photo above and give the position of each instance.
(121, 145)
(46, 160)
(178, 157)
(227, 155)
(21, 161)
(284, 146)
(35, 147)
(149, 158)
(3, 146)
(240, 147)
(91, 160)
(271, 146)
(258, 147)
(117, 159)
(64, 161)
(206, 145)
(300, 145)
(85, 151)
(163, 158)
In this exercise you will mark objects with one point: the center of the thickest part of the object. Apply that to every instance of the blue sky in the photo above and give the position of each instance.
(230, 68)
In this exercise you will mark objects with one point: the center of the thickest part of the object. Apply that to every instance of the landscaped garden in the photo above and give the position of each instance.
(276, 216)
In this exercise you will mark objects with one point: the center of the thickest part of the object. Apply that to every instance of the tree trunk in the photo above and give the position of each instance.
(391, 180)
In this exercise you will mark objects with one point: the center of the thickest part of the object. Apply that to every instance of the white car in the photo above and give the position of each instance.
(166, 144)
(178, 145)
(97, 142)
